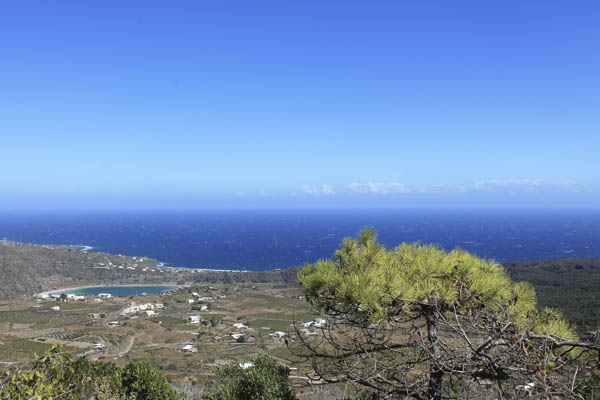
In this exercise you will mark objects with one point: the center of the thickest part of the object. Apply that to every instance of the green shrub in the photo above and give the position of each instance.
(141, 381)
(265, 380)
(55, 375)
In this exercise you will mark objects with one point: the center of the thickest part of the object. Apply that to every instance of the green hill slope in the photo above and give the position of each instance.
(571, 285)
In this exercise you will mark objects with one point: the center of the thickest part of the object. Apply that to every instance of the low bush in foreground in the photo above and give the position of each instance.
(262, 378)
(56, 376)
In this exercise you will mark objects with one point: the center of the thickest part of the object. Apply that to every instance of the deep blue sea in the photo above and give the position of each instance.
(258, 240)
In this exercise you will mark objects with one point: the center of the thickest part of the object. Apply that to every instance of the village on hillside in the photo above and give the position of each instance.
(190, 329)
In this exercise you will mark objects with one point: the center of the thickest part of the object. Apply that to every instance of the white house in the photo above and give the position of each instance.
(236, 335)
(132, 309)
(151, 313)
(188, 348)
(55, 308)
(240, 326)
(146, 306)
(317, 323)
(194, 319)
(105, 295)
(191, 301)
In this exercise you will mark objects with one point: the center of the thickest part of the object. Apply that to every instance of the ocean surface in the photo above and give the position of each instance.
(259, 240)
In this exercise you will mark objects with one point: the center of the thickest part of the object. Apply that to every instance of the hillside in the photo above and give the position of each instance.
(571, 285)
(27, 269)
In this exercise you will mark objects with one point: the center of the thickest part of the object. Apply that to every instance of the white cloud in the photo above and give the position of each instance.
(508, 186)
(528, 185)
(378, 187)
(325, 190)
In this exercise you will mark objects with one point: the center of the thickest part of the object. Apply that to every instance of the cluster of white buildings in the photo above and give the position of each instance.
(71, 297)
(110, 265)
(147, 308)
(54, 297)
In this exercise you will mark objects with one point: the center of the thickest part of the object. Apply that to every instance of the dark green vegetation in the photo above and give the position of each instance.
(265, 380)
(417, 322)
(570, 285)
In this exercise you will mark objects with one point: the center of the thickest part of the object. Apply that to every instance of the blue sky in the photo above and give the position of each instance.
(306, 104)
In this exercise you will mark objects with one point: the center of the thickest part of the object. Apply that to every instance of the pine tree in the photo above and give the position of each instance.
(417, 321)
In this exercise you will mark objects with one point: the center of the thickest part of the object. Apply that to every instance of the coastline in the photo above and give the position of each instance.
(30, 270)
(161, 264)
(192, 269)
(90, 249)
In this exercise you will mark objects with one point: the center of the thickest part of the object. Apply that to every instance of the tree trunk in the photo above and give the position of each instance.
(434, 388)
